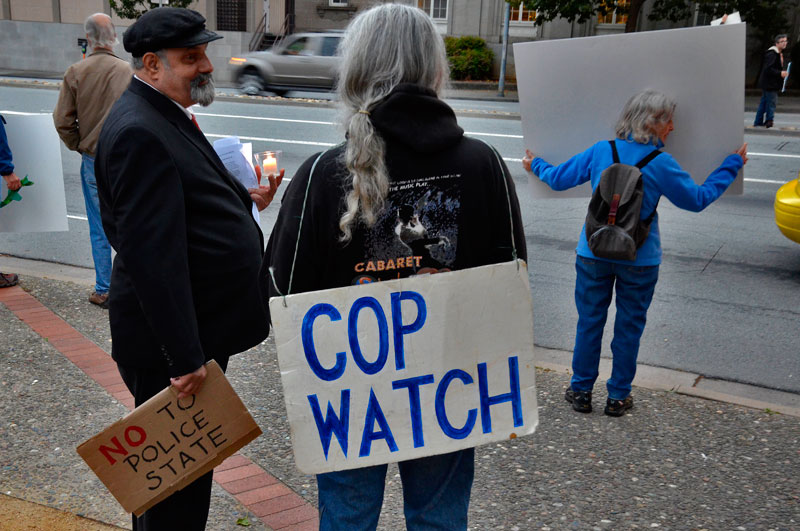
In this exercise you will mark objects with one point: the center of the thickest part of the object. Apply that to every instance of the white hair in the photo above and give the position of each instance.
(100, 31)
(642, 113)
(384, 46)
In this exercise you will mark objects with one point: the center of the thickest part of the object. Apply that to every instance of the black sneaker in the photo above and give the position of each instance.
(581, 400)
(617, 408)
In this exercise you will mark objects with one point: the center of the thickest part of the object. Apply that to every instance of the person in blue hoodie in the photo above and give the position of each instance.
(643, 126)
(12, 181)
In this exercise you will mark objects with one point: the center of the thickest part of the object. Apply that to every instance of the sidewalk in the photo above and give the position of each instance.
(675, 462)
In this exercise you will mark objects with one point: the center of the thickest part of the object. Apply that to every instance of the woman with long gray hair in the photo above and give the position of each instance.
(406, 194)
(641, 131)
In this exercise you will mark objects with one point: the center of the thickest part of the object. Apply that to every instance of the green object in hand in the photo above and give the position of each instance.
(14, 195)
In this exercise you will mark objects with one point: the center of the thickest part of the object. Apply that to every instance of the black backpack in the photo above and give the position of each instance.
(613, 227)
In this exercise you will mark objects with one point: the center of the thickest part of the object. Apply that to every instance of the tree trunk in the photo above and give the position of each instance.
(633, 15)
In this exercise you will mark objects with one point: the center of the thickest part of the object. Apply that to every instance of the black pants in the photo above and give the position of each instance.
(186, 509)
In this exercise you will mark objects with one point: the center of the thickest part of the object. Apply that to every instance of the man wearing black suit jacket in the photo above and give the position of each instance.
(186, 283)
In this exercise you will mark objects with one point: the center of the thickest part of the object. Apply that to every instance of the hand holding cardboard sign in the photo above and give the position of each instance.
(189, 384)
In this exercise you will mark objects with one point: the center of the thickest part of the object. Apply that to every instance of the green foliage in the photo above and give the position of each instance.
(470, 58)
(244, 522)
(572, 10)
(133, 9)
(768, 17)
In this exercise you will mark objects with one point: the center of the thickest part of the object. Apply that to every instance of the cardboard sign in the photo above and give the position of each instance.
(407, 368)
(572, 92)
(166, 443)
(36, 151)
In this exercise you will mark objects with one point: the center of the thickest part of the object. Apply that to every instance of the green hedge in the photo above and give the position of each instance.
(470, 58)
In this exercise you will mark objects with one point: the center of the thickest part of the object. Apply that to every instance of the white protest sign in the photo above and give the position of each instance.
(408, 368)
(36, 150)
(572, 91)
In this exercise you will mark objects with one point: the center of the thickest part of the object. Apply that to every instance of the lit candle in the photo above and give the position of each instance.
(270, 165)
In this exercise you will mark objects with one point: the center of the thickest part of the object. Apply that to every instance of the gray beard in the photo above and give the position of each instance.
(204, 95)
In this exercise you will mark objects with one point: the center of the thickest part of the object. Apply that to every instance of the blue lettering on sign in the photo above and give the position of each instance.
(375, 413)
(441, 414)
(412, 384)
(383, 335)
(307, 333)
(397, 322)
(332, 425)
(514, 396)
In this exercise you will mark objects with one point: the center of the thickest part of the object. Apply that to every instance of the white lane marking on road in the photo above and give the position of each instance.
(315, 122)
(781, 155)
(75, 216)
(264, 118)
(767, 181)
(278, 140)
(499, 135)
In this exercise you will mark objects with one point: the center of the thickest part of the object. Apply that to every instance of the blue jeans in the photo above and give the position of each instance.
(769, 100)
(593, 290)
(436, 493)
(101, 250)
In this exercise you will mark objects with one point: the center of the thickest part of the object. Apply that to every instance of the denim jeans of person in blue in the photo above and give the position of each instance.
(101, 250)
(769, 100)
(436, 494)
(594, 286)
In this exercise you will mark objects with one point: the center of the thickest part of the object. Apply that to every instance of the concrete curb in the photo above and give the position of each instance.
(648, 377)
(685, 383)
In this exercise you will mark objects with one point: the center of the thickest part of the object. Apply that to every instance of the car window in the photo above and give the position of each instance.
(301, 46)
(329, 45)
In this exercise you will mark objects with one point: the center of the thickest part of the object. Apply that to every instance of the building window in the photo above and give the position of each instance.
(521, 14)
(611, 17)
(232, 15)
(437, 9)
(337, 3)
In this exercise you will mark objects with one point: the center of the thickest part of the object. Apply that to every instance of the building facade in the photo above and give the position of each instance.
(42, 34)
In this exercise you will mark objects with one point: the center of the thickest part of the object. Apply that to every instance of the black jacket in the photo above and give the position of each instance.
(185, 285)
(770, 78)
(449, 207)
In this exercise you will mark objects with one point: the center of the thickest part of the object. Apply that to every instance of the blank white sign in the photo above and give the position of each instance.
(572, 91)
(36, 150)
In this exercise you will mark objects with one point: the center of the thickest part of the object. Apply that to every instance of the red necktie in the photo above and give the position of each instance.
(194, 121)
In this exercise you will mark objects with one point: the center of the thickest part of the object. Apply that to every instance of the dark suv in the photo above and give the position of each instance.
(301, 61)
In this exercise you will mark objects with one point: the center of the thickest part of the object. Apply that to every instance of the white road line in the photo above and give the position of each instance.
(765, 181)
(315, 122)
(289, 120)
(781, 155)
(75, 216)
(277, 140)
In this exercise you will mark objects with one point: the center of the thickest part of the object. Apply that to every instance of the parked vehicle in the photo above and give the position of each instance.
(301, 61)
(787, 210)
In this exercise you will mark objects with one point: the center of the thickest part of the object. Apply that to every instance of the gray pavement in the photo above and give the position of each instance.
(677, 461)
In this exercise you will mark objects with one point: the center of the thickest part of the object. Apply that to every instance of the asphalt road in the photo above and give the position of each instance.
(727, 303)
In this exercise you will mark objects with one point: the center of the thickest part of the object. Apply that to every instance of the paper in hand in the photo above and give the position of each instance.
(237, 159)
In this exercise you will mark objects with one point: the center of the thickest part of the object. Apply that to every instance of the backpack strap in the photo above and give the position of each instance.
(614, 153)
(650, 156)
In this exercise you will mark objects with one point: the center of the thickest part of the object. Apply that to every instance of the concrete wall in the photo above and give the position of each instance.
(52, 47)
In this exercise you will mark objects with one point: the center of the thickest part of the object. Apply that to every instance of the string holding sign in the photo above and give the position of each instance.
(14, 195)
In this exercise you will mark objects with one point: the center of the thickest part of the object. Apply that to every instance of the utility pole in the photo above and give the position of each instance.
(501, 87)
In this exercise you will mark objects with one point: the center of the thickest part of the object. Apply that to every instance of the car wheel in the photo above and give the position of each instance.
(250, 83)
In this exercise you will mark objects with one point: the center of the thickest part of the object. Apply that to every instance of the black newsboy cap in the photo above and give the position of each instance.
(167, 27)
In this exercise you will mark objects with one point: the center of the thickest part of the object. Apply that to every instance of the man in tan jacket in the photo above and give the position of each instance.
(90, 88)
